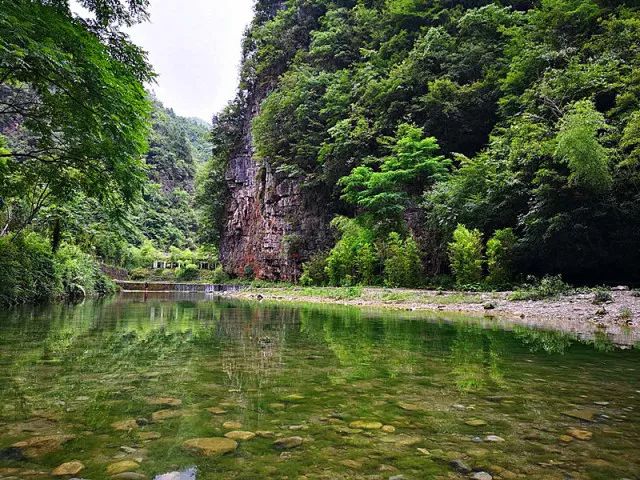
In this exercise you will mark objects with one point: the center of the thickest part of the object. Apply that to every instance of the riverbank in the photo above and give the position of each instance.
(619, 317)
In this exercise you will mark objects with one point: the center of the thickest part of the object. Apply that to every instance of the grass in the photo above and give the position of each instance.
(381, 295)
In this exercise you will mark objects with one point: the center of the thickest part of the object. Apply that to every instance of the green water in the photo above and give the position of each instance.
(310, 372)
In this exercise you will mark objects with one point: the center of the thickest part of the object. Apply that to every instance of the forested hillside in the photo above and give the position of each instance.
(92, 168)
(473, 137)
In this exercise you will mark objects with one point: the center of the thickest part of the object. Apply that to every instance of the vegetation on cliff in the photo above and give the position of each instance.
(513, 120)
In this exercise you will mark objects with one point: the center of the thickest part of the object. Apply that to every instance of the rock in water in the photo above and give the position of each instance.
(240, 435)
(474, 422)
(70, 468)
(460, 466)
(164, 401)
(586, 414)
(165, 414)
(231, 425)
(36, 447)
(287, 443)
(129, 476)
(583, 435)
(211, 447)
(125, 425)
(366, 425)
(481, 476)
(121, 467)
(188, 474)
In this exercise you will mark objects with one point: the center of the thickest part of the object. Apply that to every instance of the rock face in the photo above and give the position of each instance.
(271, 223)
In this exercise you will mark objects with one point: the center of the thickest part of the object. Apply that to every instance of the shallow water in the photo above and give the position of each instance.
(309, 372)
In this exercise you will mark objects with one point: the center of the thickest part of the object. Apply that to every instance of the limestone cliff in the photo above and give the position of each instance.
(271, 225)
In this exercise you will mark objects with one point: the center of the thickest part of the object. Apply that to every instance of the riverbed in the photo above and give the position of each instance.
(142, 385)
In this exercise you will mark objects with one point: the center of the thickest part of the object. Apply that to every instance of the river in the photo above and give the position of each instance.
(138, 386)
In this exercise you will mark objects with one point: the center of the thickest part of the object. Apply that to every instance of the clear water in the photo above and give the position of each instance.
(309, 372)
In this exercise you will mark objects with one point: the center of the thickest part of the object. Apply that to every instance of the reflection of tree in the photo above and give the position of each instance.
(543, 340)
(476, 355)
(363, 348)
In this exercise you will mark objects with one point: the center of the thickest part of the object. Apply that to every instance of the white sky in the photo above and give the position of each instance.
(194, 47)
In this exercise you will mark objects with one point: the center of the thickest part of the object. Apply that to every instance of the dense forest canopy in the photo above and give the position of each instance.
(516, 119)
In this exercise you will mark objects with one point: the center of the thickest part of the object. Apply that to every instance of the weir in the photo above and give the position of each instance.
(136, 286)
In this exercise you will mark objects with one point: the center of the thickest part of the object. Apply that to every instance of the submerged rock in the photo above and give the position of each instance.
(129, 476)
(121, 467)
(240, 435)
(125, 425)
(460, 466)
(210, 447)
(583, 435)
(366, 425)
(188, 474)
(216, 410)
(161, 415)
(164, 401)
(481, 476)
(288, 442)
(39, 446)
(388, 429)
(69, 468)
(475, 422)
(586, 414)
(494, 439)
(231, 425)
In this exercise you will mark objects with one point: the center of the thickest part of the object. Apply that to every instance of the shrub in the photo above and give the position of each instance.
(403, 265)
(188, 272)
(27, 269)
(249, 272)
(601, 295)
(79, 273)
(352, 260)
(218, 275)
(548, 287)
(500, 257)
(465, 255)
(139, 273)
(314, 271)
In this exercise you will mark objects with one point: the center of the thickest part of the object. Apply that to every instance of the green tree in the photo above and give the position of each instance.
(74, 93)
(402, 264)
(465, 255)
(412, 167)
(578, 145)
(500, 256)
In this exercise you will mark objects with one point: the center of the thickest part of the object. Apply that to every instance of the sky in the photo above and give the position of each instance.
(195, 48)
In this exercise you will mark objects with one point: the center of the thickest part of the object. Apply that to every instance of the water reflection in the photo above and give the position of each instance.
(309, 371)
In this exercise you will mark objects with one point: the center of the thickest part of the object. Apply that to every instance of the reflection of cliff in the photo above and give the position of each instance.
(254, 342)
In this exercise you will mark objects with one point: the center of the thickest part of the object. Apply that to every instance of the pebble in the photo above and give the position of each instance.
(129, 476)
(240, 435)
(460, 466)
(69, 468)
(231, 425)
(121, 467)
(494, 439)
(476, 422)
(482, 476)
